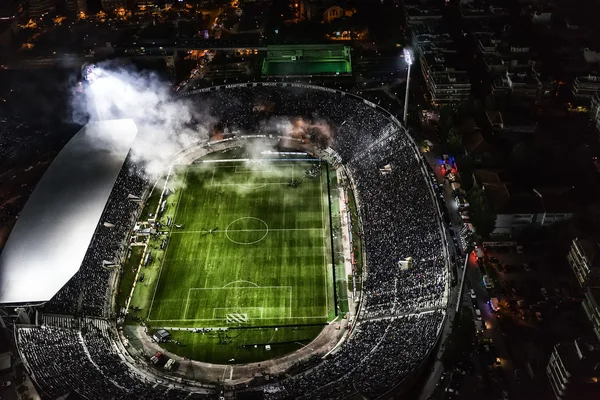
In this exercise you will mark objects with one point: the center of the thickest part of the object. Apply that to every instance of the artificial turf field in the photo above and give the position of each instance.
(267, 261)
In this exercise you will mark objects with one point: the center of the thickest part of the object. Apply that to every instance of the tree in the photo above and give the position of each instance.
(481, 214)
(447, 120)
(455, 145)
(465, 169)
(518, 155)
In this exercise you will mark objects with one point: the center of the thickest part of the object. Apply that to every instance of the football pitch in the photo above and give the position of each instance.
(250, 245)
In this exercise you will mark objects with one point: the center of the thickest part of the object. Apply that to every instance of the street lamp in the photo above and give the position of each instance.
(408, 57)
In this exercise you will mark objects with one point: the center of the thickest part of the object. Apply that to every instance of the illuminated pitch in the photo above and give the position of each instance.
(253, 248)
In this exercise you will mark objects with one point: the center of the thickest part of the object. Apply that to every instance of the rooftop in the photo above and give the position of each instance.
(53, 232)
(507, 199)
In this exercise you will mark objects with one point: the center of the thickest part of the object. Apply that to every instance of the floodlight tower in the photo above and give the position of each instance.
(90, 74)
(408, 57)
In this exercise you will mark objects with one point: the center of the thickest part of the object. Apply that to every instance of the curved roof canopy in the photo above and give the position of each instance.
(51, 237)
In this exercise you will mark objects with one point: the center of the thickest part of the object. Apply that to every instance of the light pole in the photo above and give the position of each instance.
(408, 57)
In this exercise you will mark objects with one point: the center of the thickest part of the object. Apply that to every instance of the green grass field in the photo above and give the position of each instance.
(267, 261)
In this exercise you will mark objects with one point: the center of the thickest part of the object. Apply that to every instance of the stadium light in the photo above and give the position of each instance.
(409, 58)
(90, 74)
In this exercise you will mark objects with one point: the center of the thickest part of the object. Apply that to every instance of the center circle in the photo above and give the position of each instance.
(247, 230)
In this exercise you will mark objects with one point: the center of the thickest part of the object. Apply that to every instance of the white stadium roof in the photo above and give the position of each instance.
(51, 237)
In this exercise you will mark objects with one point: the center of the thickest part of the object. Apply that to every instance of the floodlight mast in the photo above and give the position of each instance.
(90, 74)
(408, 57)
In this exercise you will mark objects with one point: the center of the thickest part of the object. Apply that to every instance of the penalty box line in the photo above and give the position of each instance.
(187, 301)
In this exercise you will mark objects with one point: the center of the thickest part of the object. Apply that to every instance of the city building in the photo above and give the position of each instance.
(595, 110)
(325, 11)
(76, 6)
(9, 14)
(573, 371)
(585, 87)
(444, 70)
(421, 11)
(10, 10)
(37, 8)
(446, 79)
(516, 208)
(584, 259)
(108, 5)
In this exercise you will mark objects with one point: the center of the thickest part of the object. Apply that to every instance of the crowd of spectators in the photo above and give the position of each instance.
(399, 222)
(80, 357)
(107, 246)
(401, 307)
(373, 360)
(20, 141)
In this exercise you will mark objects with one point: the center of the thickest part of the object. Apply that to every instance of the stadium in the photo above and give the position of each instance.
(295, 252)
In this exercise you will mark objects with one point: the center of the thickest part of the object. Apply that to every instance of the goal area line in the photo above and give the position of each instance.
(198, 304)
(237, 300)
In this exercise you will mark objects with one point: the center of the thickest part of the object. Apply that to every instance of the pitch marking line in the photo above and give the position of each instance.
(266, 230)
(250, 230)
(210, 319)
(237, 311)
(249, 170)
(262, 184)
(226, 308)
(183, 186)
(325, 247)
(230, 283)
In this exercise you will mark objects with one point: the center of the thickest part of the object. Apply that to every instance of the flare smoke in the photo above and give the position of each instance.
(166, 124)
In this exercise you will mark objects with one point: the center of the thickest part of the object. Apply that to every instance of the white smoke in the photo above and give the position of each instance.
(166, 124)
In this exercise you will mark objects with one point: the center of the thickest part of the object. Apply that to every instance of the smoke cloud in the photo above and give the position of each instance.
(165, 124)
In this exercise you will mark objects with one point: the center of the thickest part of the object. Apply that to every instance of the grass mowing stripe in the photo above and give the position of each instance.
(182, 189)
(288, 256)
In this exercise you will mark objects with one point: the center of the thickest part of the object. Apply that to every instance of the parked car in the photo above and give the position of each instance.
(478, 314)
(538, 315)
(472, 294)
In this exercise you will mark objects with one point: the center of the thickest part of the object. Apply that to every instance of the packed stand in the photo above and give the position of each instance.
(83, 360)
(399, 221)
(107, 246)
(378, 355)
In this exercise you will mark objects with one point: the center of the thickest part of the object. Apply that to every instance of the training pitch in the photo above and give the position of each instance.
(253, 249)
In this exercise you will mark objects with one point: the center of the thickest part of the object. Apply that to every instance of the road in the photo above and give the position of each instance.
(505, 371)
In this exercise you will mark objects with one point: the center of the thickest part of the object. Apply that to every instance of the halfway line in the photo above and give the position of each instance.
(251, 230)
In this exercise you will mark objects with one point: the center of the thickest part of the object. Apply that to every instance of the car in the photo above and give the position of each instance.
(478, 314)
(518, 374)
(451, 391)
(539, 316)
(5, 384)
(472, 294)
(544, 292)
